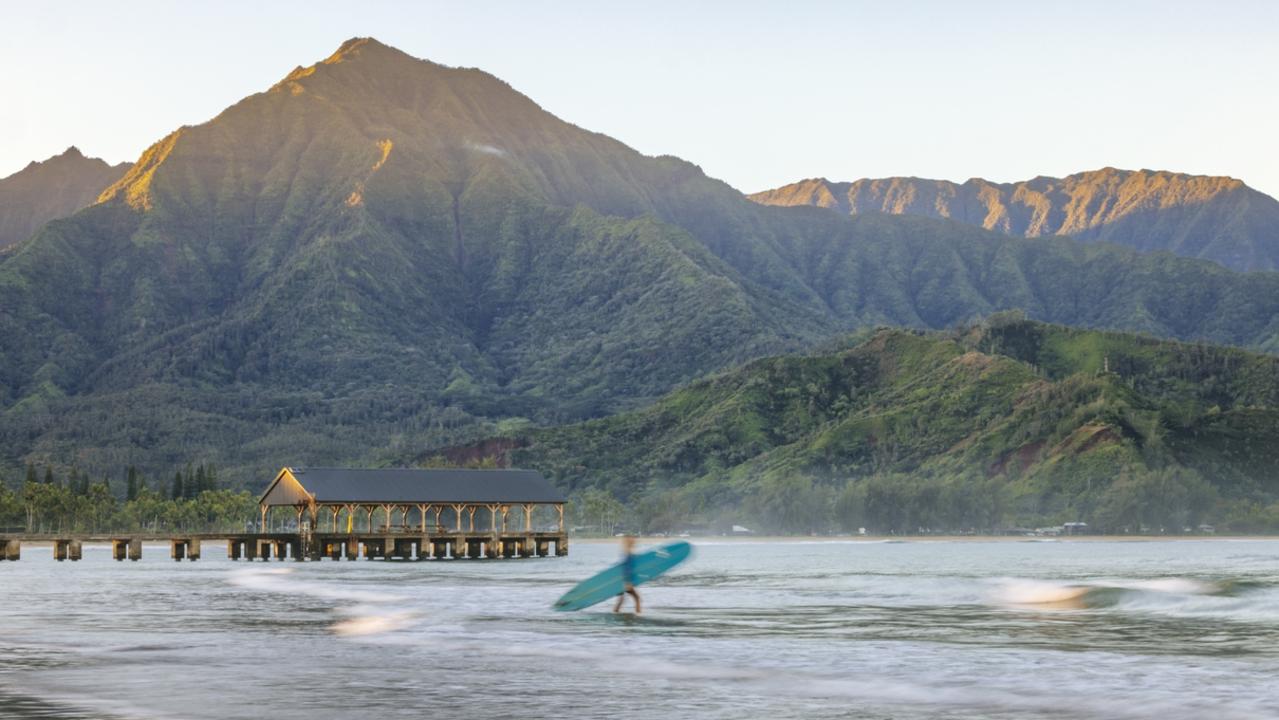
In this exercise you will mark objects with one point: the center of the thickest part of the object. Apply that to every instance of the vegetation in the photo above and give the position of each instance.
(191, 503)
(380, 256)
(1005, 424)
(54, 188)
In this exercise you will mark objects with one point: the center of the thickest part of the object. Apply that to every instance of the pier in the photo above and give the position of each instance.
(349, 514)
(302, 547)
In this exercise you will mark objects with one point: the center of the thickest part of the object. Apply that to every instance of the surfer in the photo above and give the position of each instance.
(628, 575)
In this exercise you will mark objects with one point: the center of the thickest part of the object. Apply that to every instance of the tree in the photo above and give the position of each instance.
(131, 484)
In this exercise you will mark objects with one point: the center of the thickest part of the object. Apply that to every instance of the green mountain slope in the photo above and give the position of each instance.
(1012, 422)
(382, 253)
(54, 188)
(1212, 218)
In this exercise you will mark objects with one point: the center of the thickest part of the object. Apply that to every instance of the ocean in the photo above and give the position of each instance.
(745, 629)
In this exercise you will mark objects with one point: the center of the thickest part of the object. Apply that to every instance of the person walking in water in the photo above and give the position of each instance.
(628, 575)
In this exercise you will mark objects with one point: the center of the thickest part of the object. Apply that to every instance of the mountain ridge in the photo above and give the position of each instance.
(1206, 217)
(50, 189)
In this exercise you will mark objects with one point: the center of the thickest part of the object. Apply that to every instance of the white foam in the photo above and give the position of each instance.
(1040, 592)
(277, 580)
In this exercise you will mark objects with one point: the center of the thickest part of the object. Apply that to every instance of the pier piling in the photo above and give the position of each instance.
(448, 544)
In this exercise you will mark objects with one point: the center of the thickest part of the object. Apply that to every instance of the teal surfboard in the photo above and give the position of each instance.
(607, 584)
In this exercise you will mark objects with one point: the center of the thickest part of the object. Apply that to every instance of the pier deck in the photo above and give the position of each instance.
(305, 546)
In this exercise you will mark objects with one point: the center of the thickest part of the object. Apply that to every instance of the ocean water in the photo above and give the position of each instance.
(884, 630)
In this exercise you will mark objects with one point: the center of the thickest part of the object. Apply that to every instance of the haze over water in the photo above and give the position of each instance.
(1160, 629)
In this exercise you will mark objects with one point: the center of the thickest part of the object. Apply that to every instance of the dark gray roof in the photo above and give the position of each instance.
(410, 485)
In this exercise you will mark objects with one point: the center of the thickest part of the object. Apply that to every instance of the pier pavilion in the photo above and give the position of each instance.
(408, 500)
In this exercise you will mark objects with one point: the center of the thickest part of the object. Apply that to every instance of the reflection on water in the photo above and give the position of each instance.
(789, 630)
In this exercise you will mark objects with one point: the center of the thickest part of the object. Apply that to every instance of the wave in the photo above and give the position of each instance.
(1244, 600)
(370, 615)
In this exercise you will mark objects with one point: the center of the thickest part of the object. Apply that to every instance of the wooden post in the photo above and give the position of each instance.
(59, 550)
(528, 517)
(493, 518)
(262, 524)
(470, 510)
(559, 508)
(438, 510)
(12, 550)
(74, 550)
(135, 549)
(177, 549)
(119, 549)
(506, 510)
(232, 549)
(421, 510)
(193, 549)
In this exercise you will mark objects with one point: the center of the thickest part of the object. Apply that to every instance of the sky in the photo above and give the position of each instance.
(759, 94)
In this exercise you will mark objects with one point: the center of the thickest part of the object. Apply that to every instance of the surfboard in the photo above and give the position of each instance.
(607, 584)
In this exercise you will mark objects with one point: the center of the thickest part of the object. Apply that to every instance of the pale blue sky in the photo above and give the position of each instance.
(759, 94)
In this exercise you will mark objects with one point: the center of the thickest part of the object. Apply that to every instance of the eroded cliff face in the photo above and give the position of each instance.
(1211, 218)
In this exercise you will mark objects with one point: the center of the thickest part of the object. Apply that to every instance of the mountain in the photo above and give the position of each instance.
(1211, 218)
(43, 191)
(381, 253)
(1002, 424)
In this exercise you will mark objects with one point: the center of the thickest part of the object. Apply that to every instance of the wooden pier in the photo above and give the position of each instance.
(346, 514)
(306, 546)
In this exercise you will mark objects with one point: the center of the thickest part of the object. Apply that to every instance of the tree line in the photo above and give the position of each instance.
(193, 501)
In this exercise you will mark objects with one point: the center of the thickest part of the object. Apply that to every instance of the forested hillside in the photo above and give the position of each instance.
(381, 254)
(998, 425)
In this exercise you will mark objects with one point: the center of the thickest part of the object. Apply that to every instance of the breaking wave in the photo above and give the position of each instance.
(1247, 601)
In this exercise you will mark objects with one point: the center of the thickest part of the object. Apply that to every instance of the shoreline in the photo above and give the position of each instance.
(892, 539)
(841, 539)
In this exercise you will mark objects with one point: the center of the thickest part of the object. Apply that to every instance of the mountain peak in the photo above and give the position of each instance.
(359, 46)
(49, 189)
